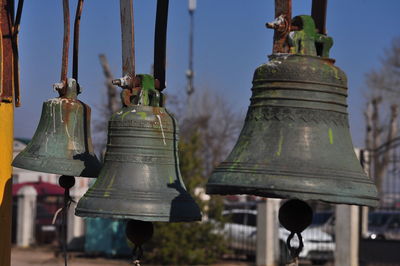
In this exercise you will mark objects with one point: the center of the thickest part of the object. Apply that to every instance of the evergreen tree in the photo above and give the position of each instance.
(189, 243)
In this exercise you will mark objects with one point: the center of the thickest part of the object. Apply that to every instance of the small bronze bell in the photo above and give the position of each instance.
(140, 178)
(62, 143)
(296, 142)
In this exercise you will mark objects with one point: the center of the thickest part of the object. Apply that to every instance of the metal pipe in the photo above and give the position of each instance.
(128, 38)
(16, 27)
(283, 13)
(6, 132)
(75, 54)
(190, 72)
(318, 13)
(160, 42)
(64, 64)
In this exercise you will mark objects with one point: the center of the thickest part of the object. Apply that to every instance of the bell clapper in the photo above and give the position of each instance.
(65, 182)
(295, 216)
(138, 232)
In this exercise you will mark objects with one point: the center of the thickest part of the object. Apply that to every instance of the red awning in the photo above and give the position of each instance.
(42, 188)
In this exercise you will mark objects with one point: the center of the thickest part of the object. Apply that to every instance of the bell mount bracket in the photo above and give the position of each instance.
(283, 25)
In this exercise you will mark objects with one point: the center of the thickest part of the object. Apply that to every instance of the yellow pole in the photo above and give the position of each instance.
(6, 156)
(6, 131)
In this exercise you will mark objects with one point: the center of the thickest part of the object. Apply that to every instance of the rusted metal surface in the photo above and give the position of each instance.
(64, 64)
(160, 42)
(16, 28)
(128, 38)
(7, 78)
(284, 24)
(283, 16)
(75, 55)
(318, 13)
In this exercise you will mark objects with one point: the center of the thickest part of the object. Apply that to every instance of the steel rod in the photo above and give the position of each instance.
(17, 21)
(16, 28)
(190, 73)
(318, 13)
(128, 38)
(64, 64)
(160, 42)
(282, 8)
(75, 61)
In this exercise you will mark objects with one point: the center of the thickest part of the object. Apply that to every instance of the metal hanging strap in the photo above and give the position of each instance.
(64, 60)
(16, 27)
(75, 54)
(62, 86)
(128, 38)
(160, 43)
(283, 22)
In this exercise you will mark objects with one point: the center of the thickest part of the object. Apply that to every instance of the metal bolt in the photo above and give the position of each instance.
(123, 82)
(58, 86)
(278, 23)
(116, 82)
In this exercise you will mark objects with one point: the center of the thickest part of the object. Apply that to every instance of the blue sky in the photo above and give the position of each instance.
(230, 42)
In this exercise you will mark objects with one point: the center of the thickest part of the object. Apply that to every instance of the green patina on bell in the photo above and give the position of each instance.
(296, 142)
(62, 143)
(140, 178)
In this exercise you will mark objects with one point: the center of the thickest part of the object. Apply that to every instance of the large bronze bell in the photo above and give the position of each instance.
(140, 178)
(62, 143)
(296, 142)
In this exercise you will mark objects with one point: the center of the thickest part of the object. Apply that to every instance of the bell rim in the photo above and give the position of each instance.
(145, 217)
(24, 161)
(223, 189)
(286, 55)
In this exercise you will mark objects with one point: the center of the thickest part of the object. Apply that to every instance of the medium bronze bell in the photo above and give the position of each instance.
(62, 143)
(140, 178)
(296, 142)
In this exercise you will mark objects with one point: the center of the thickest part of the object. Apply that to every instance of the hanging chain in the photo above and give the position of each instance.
(295, 251)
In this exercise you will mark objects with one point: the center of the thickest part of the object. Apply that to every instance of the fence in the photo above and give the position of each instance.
(43, 231)
(241, 232)
(380, 239)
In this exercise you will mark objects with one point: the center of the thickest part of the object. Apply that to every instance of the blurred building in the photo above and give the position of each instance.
(36, 198)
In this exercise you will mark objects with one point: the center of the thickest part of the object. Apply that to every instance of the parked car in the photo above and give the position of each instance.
(241, 231)
(384, 225)
(324, 221)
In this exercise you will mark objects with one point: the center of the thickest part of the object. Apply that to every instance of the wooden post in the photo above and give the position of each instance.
(75, 224)
(267, 249)
(26, 216)
(6, 132)
(347, 235)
